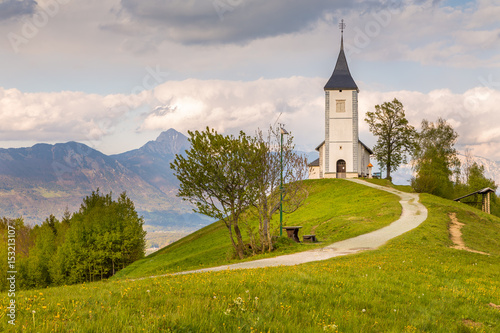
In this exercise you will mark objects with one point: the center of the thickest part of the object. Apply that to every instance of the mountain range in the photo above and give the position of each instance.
(48, 179)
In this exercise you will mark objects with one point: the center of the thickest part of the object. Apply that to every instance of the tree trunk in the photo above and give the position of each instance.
(388, 166)
(239, 238)
(228, 225)
(268, 235)
(263, 235)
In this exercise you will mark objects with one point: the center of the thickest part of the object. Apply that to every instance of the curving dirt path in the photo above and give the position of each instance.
(456, 235)
(413, 214)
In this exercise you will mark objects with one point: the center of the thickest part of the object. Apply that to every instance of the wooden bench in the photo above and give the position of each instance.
(293, 233)
(310, 239)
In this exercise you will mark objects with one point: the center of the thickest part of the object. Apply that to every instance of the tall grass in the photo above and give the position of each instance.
(415, 283)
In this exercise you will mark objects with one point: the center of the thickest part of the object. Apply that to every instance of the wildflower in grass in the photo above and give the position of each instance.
(331, 327)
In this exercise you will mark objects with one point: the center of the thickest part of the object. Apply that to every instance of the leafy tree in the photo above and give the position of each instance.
(103, 236)
(436, 158)
(41, 255)
(23, 243)
(218, 175)
(294, 191)
(395, 135)
(477, 180)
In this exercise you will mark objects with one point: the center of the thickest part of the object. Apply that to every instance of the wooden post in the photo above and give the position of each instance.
(488, 207)
(483, 207)
(486, 203)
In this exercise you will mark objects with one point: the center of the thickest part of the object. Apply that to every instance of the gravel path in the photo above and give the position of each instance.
(413, 213)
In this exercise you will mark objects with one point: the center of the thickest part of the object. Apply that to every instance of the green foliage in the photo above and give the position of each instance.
(435, 159)
(217, 175)
(434, 175)
(103, 237)
(284, 243)
(395, 135)
(477, 180)
(23, 242)
(414, 283)
(37, 270)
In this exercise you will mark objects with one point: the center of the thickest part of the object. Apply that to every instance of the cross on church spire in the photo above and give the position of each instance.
(342, 27)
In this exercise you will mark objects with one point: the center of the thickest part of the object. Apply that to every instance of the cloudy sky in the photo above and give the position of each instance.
(114, 74)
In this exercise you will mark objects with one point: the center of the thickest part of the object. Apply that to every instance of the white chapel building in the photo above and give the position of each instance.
(342, 154)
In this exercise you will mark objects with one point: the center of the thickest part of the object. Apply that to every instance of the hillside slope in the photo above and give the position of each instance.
(336, 209)
(414, 283)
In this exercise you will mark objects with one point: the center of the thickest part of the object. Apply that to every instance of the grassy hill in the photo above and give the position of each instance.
(414, 283)
(336, 209)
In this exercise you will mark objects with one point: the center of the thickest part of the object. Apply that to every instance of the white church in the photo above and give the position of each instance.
(342, 154)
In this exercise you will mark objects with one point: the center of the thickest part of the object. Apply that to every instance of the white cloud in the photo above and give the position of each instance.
(61, 116)
(473, 114)
(231, 106)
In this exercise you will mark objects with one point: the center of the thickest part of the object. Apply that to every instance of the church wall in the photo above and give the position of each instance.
(341, 130)
(341, 127)
(341, 151)
(344, 95)
(364, 160)
(321, 161)
(314, 172)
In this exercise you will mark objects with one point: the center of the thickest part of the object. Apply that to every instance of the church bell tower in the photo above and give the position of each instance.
(342, 154)
(341, 120)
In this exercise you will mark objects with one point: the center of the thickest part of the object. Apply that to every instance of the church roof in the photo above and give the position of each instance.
(341, 77)
(366, 147)
(314, 163)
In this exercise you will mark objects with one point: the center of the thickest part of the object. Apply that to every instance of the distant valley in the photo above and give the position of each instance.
(48, 179)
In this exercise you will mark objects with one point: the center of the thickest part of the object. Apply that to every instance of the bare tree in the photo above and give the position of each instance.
(269, 183)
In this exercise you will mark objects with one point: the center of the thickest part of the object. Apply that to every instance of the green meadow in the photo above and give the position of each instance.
(414, 283)
(334, 210)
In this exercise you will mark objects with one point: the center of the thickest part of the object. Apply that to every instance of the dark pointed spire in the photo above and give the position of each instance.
(341, 77)
(342, 27)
